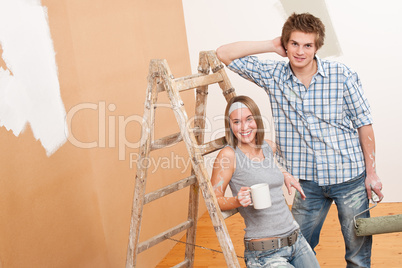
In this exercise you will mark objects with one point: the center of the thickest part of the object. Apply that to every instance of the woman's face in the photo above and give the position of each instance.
(243, 125)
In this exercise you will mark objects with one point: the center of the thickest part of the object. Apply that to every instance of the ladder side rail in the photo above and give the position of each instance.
(199, 125)
(176, 102)
(141, 175)
(228, 93)
(214, 210)
(217, 67)
(211, 147)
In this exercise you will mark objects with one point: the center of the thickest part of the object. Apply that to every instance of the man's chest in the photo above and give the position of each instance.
(322, 100)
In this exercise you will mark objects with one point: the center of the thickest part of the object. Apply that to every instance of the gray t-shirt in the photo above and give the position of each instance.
(275, 221)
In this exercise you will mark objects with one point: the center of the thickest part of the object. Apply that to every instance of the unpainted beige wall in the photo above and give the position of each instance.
(73, 209)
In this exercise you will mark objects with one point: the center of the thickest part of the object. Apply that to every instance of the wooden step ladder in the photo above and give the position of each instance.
(161, 79)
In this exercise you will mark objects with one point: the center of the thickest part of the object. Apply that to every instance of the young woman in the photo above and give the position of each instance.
(272, 237)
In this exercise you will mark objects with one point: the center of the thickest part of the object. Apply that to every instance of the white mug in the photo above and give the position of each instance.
(260, 195)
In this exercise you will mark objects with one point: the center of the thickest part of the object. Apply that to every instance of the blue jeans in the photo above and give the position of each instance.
(350, 198)
(298, 255)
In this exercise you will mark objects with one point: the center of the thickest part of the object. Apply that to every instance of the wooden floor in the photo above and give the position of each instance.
(387, 248)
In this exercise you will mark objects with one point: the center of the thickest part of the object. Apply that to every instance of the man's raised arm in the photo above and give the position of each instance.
(228, 53)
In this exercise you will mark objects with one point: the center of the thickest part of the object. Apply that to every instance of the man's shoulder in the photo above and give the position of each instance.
(332, 67)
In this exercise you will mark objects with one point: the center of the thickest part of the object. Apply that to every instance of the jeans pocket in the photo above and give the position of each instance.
(260, 258)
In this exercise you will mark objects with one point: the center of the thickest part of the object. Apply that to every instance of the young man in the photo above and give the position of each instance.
(323, 126)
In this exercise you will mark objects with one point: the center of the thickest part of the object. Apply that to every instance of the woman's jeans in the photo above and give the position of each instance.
(350, 198)
(298, 255)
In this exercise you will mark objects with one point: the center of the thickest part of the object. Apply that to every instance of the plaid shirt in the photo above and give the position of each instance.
(315, 128)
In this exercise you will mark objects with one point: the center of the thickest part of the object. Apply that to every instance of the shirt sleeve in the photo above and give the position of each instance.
(357, 106)
(254, 70)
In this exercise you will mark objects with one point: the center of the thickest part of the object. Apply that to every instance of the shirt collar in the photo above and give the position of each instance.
(320, 69)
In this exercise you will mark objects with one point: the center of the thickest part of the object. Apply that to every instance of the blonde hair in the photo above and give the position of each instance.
(255, 111)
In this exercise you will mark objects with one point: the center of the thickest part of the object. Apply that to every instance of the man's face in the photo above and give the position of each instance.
(301, 50)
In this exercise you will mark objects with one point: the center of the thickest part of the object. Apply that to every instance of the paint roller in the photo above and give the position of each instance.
(377, 225)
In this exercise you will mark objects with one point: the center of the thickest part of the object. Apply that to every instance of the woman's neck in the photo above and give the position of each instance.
(251, 150)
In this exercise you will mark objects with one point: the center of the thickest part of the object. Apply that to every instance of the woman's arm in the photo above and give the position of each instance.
(222, 172)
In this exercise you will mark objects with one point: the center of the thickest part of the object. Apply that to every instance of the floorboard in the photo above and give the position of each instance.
(387, 248)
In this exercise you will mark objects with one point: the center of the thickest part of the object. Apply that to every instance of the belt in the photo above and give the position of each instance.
(272, 243)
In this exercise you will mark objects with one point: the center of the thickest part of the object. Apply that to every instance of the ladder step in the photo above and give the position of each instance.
(170, 189)
(184, 263)
(196, 80)
(171, 140)
(166, 141)
(213, 146)
(165, 235)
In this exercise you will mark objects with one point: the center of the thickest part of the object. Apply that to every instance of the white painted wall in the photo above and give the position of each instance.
(369, 36)
(29, 84)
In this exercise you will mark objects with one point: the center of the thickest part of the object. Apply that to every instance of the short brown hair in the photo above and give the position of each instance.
(255, 111)
(305, 23)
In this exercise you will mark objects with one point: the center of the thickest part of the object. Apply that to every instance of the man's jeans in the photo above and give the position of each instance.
(351, 199)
